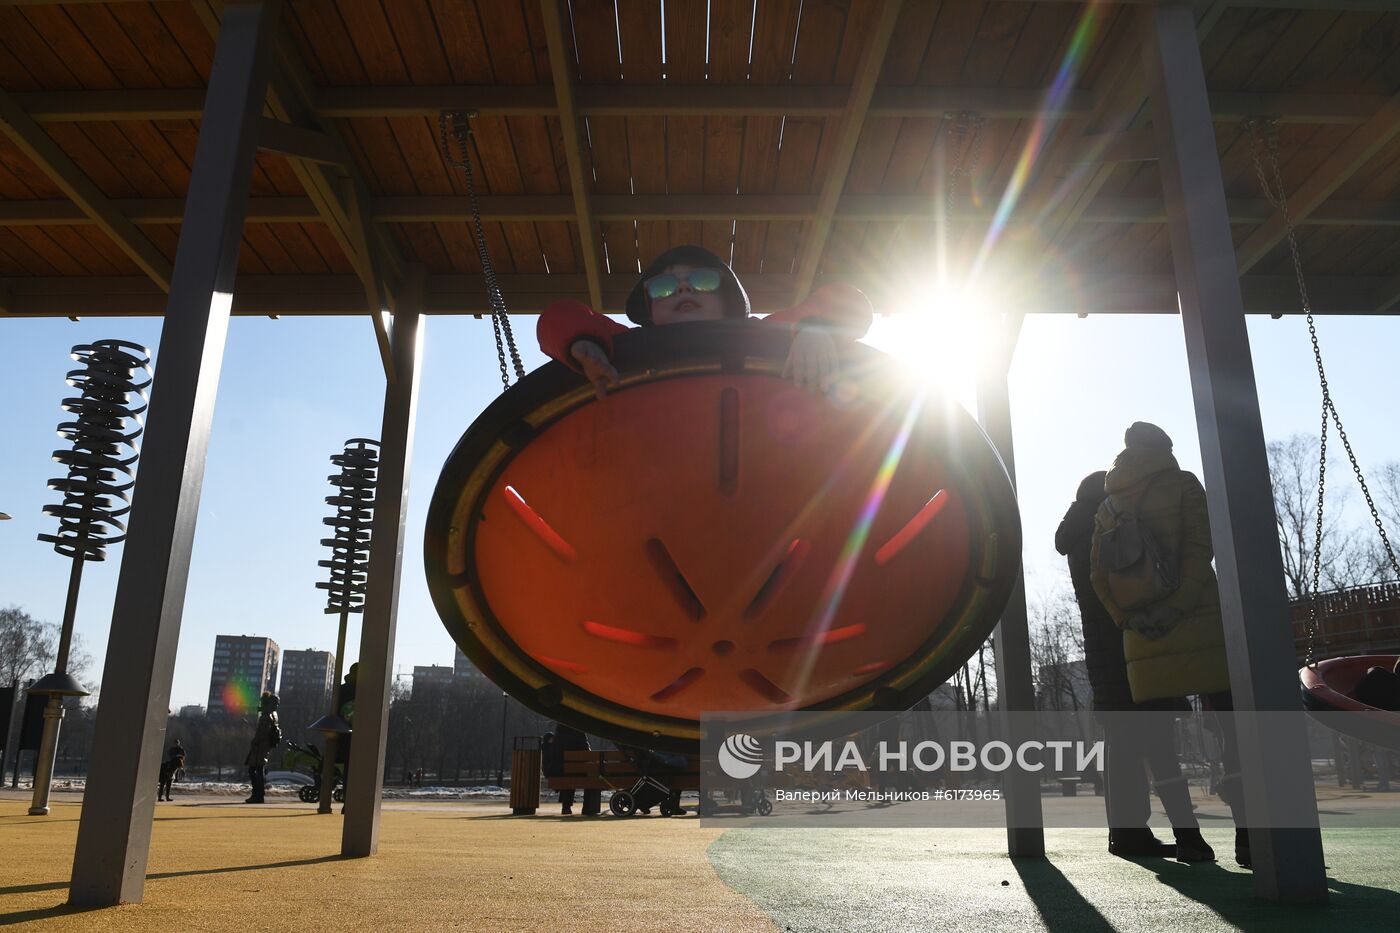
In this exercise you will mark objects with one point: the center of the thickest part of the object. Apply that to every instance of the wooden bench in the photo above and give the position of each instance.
(611, 770)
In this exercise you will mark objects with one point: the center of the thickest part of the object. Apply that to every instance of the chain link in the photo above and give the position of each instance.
(1263, 134)
(964, 161)
(460, 130)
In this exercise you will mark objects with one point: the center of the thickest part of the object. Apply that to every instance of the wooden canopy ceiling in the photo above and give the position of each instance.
(802, 139)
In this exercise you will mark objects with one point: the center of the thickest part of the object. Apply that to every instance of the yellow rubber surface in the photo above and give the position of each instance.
(225, 866)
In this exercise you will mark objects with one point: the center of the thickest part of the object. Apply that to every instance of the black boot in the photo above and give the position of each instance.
(1138, 843)
(1191, 846)
(1242, 857)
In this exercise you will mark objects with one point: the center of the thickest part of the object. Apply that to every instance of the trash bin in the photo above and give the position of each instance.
(1069, 786)
(524, 775)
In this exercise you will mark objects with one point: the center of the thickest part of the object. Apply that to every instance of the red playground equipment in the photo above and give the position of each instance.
(710, 538)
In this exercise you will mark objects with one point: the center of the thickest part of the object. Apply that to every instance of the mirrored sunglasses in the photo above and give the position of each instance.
(700, 280)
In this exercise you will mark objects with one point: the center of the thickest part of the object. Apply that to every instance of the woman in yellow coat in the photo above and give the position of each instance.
(1174, 647)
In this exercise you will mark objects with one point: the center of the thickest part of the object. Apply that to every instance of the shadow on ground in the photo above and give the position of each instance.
(64, 909)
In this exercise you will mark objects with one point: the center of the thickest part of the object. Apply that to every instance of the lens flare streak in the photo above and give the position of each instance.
(1075, 56)
(844, 569)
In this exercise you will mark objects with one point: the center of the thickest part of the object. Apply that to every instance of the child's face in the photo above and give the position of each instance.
(686, 304)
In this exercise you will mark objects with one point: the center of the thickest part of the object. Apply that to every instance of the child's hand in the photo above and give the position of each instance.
(597, 368)
(812, 363)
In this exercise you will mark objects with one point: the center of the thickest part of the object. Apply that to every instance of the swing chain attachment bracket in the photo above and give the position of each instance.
(1263, 138)
(455, 125)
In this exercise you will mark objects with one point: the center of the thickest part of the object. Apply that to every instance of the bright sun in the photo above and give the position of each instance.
(940, 341)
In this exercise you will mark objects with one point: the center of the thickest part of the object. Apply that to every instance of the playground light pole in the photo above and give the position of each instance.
(501, 763)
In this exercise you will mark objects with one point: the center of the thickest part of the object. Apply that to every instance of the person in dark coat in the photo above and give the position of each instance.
(1134, 744)
(1174, 647)
(1380, 687)
(266, 737)
(569, 739)
(170, 768)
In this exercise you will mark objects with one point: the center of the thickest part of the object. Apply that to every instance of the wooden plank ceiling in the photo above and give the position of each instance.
(712, 122)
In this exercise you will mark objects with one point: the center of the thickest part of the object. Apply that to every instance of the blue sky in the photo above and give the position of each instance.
(293, 390)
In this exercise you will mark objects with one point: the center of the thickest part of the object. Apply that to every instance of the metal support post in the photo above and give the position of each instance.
(114, 833)
(365, 781)
(1277, 773)
(1025, 832)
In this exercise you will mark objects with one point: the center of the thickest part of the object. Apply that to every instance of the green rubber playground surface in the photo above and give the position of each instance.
(816, 880)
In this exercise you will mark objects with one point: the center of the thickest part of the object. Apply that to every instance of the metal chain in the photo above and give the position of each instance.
(500, 320)
(964, 164)
(1276, 195)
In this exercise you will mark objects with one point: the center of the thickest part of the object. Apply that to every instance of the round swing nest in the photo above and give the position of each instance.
(711, 539)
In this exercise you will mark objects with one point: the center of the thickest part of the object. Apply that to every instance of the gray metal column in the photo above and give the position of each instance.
(114, 833)
(365, 778)
(1277, 773)
(1025, 833)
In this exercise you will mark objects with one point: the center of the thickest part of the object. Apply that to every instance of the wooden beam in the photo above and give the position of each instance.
(50, 158)
(300, 142)
(1123, 146)
(342, 295)
(113, 106)
(680, 100)
(526, 208)
(1345, 161)
(1338, 109)
(688, 100)
(561, 69)
(872, 61)
(1334, 213)
(1388, 295)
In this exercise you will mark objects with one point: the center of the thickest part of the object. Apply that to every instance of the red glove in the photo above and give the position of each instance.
(568, 320)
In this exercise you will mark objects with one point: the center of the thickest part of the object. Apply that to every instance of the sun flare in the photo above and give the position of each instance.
(940, 341)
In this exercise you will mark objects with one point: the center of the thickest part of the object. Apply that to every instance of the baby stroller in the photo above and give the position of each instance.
(651, 788)
(308, 756)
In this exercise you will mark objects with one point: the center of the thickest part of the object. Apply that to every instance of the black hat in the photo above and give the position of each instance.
(1091, 487)
(736, 300)
(1146, 434)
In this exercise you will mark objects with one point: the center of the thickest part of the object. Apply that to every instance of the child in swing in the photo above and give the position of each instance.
(690, 283)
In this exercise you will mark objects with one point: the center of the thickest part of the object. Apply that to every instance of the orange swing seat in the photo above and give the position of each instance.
(709, 538)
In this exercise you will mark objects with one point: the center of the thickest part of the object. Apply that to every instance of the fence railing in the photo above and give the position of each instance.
(1357, 620)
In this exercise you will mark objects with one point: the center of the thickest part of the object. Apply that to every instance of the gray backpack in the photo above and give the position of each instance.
(1140, 569)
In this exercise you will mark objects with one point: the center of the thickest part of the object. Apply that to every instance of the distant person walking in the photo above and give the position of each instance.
(564, 738)
(170, 769)
(1150, 565)
(1134, 744)
(266, 737)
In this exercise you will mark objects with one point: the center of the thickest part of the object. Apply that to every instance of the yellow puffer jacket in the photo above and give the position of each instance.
(1189, 659)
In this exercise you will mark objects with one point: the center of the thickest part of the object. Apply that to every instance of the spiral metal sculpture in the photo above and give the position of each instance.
(101, 470)
(354, 504)
(101, 464)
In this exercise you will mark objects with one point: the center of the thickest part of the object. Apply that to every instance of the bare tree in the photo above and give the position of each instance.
(1057, 652)
(26, 646)
(1349, 557)
(1387, 496)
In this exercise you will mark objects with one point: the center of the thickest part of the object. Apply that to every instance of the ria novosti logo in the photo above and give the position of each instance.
(741, 756)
